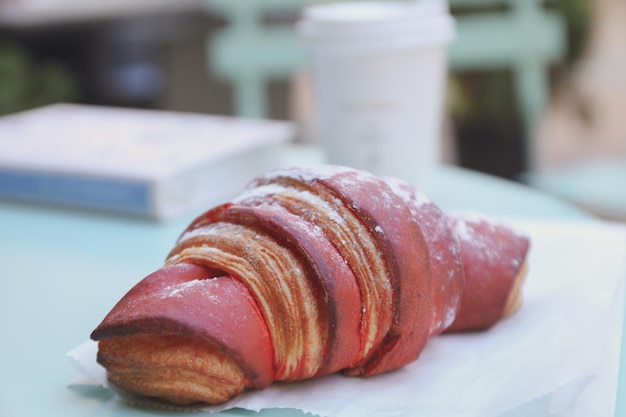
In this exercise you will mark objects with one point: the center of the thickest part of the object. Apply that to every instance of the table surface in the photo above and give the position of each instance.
(61, 270)
(597, 185)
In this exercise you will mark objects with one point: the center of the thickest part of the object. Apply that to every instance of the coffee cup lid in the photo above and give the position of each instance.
(425, 20)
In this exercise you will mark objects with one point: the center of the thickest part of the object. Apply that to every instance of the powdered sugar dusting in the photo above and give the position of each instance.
(487, 249)
(449, 316)
(420, 198)
(178, 290)
(259, 192)
(462, 230)
(415, 198)
(327, 171)
(472, 217)
(486, 236)
(314, 202)
(307, 174)
(321, 205)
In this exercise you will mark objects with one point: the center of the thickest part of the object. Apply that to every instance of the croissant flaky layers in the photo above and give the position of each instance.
(307, 272)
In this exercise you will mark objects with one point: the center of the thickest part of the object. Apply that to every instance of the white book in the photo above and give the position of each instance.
(148, 162)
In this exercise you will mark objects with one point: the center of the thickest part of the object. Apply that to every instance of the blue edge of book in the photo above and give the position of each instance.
(84, 191)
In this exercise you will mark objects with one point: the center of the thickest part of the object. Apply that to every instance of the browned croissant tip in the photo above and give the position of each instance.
(180, 301)
(176, 369)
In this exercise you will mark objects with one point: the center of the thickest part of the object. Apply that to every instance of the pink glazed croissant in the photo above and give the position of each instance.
(308, 271)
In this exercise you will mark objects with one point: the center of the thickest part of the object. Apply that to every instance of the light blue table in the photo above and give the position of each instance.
(62, 270)
(597, 185)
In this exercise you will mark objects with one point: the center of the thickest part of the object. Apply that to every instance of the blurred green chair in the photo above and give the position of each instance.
(526, 38)
(255, 47)
(520, 35)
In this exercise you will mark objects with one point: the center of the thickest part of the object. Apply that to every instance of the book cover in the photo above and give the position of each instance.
(148, 162)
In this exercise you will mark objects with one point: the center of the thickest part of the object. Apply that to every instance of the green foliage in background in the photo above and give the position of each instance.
(25, 85)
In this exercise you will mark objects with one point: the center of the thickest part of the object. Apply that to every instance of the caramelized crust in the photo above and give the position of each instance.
(176, 369)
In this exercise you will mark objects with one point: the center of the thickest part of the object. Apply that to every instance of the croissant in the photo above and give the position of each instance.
(307, 272)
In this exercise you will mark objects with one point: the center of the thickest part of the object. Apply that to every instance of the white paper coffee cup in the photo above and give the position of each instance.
(378, 72)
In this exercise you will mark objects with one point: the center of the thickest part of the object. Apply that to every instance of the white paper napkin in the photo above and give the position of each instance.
(561, 347)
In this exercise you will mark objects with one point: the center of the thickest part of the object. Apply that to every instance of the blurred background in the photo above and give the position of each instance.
(536, 92)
